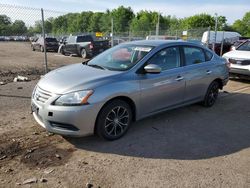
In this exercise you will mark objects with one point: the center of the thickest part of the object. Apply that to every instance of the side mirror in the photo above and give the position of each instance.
(152, 68)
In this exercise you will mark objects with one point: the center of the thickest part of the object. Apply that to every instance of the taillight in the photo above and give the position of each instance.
(91, 46)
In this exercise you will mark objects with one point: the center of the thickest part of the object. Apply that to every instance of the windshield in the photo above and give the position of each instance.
(245, 46)
(121, 57)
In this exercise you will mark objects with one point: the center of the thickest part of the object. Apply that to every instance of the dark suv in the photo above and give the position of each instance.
(51, 44)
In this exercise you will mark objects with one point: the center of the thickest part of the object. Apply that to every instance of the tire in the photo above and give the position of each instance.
(83, 53)
(42, 49)
(32, 47)
(114, 120)
(212, 94)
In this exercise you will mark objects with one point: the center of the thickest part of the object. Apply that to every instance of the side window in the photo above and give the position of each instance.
(209, 55)
(71, 39)
(194, 55)
(168, 58)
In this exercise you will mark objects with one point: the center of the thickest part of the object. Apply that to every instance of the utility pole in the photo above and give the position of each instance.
(44, 42)
(112, 32)
(157, 26)
(215, 30)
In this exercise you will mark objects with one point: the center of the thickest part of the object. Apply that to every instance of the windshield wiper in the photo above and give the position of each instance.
(96, 66)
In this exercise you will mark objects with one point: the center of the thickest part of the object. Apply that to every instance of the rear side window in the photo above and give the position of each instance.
(51, 39)
(193, 55)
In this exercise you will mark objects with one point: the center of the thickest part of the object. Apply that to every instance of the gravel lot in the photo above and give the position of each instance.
(191, 146)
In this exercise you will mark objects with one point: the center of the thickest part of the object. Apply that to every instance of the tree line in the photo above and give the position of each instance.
(124, 20)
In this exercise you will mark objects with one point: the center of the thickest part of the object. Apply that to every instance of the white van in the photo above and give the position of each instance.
(231, 37)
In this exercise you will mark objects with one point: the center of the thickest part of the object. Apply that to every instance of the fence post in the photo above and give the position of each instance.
(112, 32)
(222, 44)
(44, 42)
(208, 36)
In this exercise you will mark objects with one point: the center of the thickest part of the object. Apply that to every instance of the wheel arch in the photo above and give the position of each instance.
(219, 80)
(126, 99)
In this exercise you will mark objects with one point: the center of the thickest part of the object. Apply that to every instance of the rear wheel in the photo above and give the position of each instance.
(83, 53)
(212, 94)
(114, 120)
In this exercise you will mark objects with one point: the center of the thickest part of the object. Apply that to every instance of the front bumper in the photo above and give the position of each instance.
(245, 72)
(66, 120)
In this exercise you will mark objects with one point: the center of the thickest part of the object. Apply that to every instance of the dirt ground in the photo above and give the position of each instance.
(17, 58)
(191, 146)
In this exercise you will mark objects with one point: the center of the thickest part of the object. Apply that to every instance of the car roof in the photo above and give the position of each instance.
(161, 42)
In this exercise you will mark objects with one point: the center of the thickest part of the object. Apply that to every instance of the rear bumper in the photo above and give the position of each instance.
(55, 48)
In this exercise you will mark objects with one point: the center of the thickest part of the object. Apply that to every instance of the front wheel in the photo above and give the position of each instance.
(212, 94)
(114, 120)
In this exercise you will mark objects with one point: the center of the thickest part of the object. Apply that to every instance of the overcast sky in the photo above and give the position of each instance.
(232, 9)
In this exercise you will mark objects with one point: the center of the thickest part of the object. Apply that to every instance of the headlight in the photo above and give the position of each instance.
(74, 98)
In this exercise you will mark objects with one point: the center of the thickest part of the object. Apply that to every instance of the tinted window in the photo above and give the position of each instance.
(84, 38)
(51, 39)
(193, 55)
(245, 46)
(168, 58)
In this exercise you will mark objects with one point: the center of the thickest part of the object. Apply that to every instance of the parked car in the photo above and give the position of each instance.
(51, 44)
(116, 41)
(237, 44)
(84, 45)
(227, 37)
(240, 60)
(126, 83)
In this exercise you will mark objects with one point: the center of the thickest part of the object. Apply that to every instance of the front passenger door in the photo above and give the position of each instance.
(165, 89)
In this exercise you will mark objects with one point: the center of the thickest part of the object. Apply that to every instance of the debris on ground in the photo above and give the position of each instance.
(89, 185)
(3, 157)
(20, 88)
(21, 79)
(58, 156)
(2, 83)
(43, 180)
(9, 170)
(48, 171)
(49, 134)
(30, 181)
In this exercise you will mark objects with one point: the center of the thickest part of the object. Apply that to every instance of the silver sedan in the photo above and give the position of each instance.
(126, 83)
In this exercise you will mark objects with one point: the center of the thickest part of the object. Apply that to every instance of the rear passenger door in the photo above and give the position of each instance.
(198, 72)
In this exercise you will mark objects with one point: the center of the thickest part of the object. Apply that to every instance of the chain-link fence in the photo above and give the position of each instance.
(25, 24)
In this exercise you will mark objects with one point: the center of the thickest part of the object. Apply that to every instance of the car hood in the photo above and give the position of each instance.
(75, 77)
(237, 54)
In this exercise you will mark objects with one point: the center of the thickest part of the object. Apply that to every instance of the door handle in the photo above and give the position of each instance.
(209, 71)
(179, 78)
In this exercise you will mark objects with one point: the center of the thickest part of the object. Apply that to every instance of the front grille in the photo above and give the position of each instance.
(41, 95)
(239, 62)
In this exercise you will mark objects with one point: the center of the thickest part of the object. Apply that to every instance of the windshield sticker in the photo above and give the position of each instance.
(123, 66)
(143, 49)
